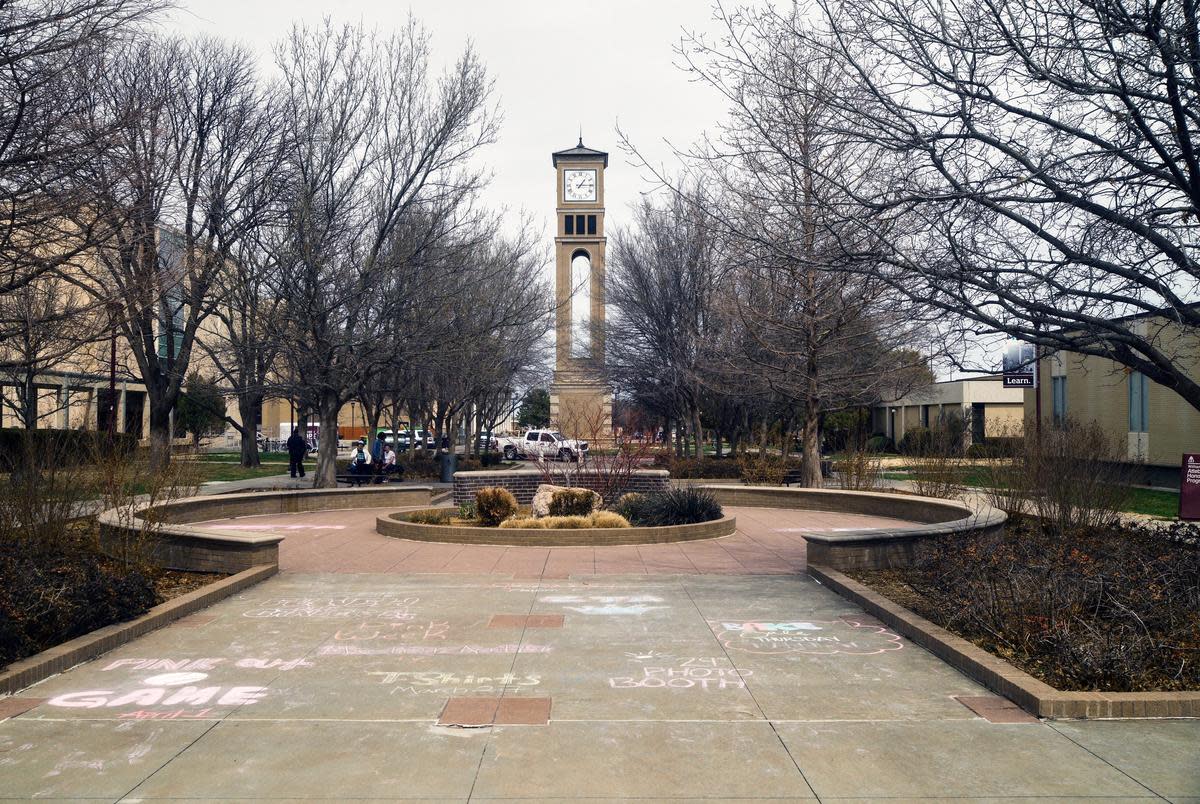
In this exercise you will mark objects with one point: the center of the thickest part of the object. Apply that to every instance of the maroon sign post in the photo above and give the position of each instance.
(1189, 487)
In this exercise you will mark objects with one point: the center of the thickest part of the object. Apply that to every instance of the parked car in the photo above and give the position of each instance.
(543, 444)
(402, 441)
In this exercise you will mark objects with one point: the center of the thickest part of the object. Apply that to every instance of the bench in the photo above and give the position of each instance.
(369, 480)
(794, 476)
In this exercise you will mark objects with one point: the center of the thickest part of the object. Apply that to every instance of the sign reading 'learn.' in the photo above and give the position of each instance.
(1189, 487)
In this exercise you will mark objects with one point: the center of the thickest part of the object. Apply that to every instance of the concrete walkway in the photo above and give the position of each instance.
(747, 682)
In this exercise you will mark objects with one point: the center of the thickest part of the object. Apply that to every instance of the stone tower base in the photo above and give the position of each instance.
(582, 410)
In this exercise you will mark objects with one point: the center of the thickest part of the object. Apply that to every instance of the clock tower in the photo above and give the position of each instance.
(580, 402)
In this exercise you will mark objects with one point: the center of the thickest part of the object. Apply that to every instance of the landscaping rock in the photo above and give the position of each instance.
(545, 493)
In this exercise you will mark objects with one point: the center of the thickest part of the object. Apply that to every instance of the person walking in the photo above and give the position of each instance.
(297, 449)
(377, 450)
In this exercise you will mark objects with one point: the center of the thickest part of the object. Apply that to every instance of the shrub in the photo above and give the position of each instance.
(859, 470)
(1070, 477)
(916, 441)
(572, 502)
(46, 600)
(880, 443)
(632, 506)
(493, 505)
(762, 470)
(609, 519)
(439, 517)
(995, 447)
(697, 468)
(567, 522)
(524, 522)
(686, 506)
(1102, 608)
(60, 447)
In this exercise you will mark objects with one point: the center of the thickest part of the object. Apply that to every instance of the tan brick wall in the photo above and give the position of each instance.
(1098, 390)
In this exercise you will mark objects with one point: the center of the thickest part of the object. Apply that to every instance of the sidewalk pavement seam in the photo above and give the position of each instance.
(749, 691)
(173, 757)
(512, 666)
(1070, 739)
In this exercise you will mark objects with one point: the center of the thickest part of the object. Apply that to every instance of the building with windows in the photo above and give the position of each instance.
(991, 409)
(1155, 424)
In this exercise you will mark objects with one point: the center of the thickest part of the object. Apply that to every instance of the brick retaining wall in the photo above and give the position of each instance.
(524, 482)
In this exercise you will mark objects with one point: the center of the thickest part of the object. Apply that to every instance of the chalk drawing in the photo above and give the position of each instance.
(365, 607)
(177, 714)
(606, 604)
(650, 655)
(205, 664)
(817, 637)
(160, 696)
(175, 679)
(700, 673)
(442, 683)
(430, 650)
(395, 632)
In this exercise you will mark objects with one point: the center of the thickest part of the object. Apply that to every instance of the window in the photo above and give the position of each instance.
(569, 224)
(1058, 392)
(1139, 403)
(547, 438)
(579, 224)
(581, 305)
(531, 436)
(591, 224)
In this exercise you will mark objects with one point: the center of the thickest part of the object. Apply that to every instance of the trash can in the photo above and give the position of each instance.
(449, 466)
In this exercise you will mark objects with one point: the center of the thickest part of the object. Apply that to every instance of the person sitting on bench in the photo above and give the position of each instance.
(390, 468)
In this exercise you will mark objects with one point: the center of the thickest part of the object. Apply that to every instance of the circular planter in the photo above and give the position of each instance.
(396, 526)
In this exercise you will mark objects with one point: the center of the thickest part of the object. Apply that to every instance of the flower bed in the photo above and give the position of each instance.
(415, 525)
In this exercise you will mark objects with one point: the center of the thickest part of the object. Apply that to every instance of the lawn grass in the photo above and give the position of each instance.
(1150, 502)
(210, 471)
(1153, 503)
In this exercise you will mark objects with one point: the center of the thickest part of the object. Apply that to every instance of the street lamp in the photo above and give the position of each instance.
(114, 310)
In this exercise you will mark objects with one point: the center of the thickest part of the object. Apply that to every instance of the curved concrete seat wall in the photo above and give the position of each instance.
(174, 544)
(869, 548)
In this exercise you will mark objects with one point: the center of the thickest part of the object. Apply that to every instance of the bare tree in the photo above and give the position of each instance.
(49, 321)
(1051, 159)
(372, 139)
(806, 323)
(176, 180)
(44, 48)
(664, 276)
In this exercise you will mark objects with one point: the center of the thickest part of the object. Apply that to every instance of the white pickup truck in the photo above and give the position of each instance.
(546, 444)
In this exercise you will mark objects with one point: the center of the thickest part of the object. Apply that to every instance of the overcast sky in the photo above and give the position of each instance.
(558, 66)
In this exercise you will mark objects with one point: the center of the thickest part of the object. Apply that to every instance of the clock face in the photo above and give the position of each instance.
(579, 185)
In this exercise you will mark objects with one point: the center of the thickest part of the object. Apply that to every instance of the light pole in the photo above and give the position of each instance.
(114, 309)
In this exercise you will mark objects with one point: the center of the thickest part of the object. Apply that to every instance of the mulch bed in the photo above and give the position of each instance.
(52, 594)
(1110, 611)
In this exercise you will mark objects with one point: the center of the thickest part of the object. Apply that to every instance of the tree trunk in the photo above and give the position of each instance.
(325, 477)
(160, 436)
(697, 433)
(29, 402)
(810, 458)
(247, 411)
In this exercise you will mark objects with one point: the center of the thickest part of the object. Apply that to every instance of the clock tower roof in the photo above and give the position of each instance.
(580, 153)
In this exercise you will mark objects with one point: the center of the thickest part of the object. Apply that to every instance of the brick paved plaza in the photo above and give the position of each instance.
(665, 673)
